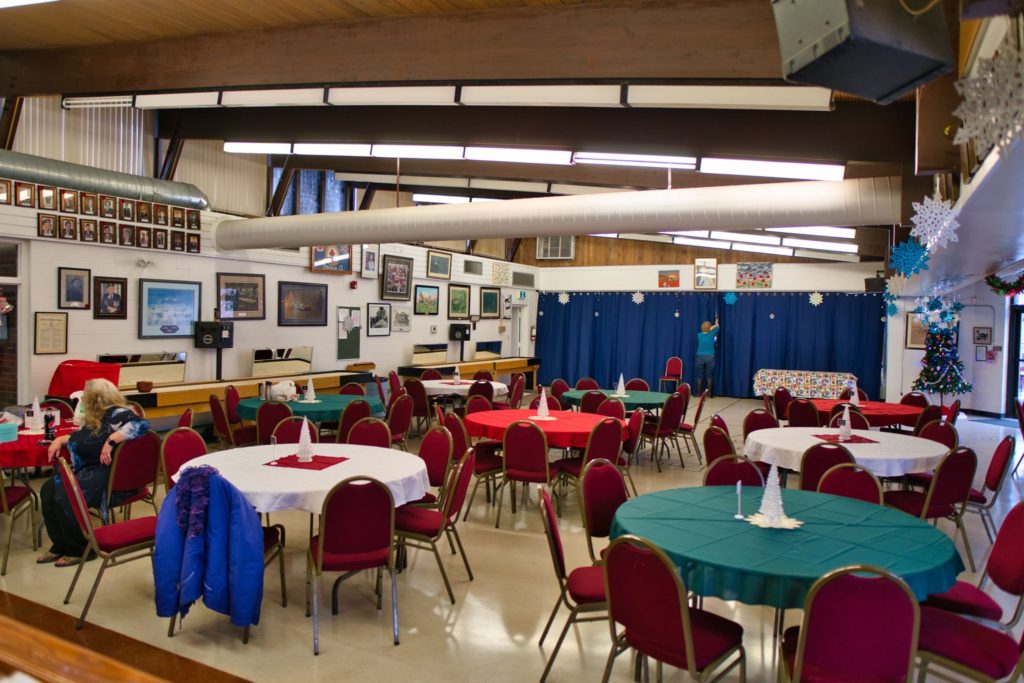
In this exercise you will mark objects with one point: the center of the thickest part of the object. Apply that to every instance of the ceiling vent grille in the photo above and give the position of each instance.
(521, 279)
(550, 248)
(473, 267)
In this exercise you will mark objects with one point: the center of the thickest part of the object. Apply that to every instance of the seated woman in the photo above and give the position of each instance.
(105, 421)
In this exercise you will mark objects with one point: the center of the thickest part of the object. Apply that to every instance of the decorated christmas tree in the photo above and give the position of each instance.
(941, 367)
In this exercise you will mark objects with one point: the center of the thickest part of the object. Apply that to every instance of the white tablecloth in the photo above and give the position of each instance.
(444, 387)
(892, 456)
(287, 488)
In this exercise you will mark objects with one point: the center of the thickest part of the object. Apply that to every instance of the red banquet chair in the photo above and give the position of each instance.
(231, 400)
(663, 431)
(852, 481)
(483, 375)
(436, 453)
(431, 374)
(400, 421)
(782, 399)
(289, 430)
(802, 413)
(352, 389)
(729, 469)
(354, 412)
(689, 429)
(604, 442)
(177, 448)
(646, 595)
(967, 648)
(186, 418)
(673, 373)
(525, 447)
(843, 638)
(591, 400)
(758, 419)
(230, 437)
(395, 395)
(268, 415)
(601, 490)
(928, 414)
(370, 431)
(717, 444)
(914, 398)
(857, 420)
(552, 402)
(847, 394)
(940, 432)
(515, 394)
(612, 407)
(718, 421)
(420, 403)
(954, 412)
(818, 459)
(63, 408)
(15, 500)
(995, 477)
(637, 384)
(394, 383)
(635, 424)
(486, 465)
(481, 387)
(587, 384)
(557, 388)
(133, 473)
(457, 430)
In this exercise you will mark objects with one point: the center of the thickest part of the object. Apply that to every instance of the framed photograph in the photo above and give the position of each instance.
(87, 231)
(401, 319)
(917, 333)
(69, 201)
(126, 210)
(126, 235)
(241, 296)
(46, 225)
(506, 307)
(396, 283)
(177, 217)
(192, 219)
(705, 273)
(490, 302)
(108, 206)
(981, 353)
(51, 333)
(458, 302)
(143, 237)
(378, 320)
(25, 195)
(439, 265)
(331, 258)
(192, 245)
(88, 203)
(301, 304)
(370, 267)
(177, 241)
(47, 198)
(160, 239)
(144, 212)
(425, 302)
(111, 297)
(74, 287)
(983, 335)
(68, 228)
(754, 275)
(5, 191)
(160, 214)
(108, 233)
(168, 308)
(668, 279)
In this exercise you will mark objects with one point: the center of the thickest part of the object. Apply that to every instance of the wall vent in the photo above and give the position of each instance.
(551, 248)
(473, 267)
(521, 279)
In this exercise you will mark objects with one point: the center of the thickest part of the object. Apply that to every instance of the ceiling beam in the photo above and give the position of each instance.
(10, 115)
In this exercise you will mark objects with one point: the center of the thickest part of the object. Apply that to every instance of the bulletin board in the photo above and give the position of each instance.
(349, 331)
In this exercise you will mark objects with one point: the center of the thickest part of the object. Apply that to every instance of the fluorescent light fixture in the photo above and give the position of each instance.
(435, 181)
(643, 160)
(613, 235)
(258, 147)
(508, 185)
(759, 249)
(744, 237)
(480, 200)
(177, 100)
(393, 96)
(819, 231)
(382, 178)
(687, 233)
(844, 247)
(5, 4)
(282, 97)
(439, 199)
(772, 169)
(520, 156)
(541, 95)
(563, 188)
(786, 97)
(331, 149)
(806, 253)
(417, 151)
(96, 102)
(710, 244)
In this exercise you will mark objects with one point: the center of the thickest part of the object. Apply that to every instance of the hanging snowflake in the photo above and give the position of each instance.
(730, 298)
(892, 310)
(638, 298)
(894, 287)
(991, 110)
(816, 299)
(909, 257)
(935, 222)
(563, 298)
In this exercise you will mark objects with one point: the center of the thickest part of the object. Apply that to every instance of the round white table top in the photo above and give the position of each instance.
(442, 387)
(891, 456)
(286, 488)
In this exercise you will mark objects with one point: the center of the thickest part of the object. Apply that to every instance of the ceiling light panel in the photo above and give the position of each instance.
(541, 95)
(730, 97)
(379, 178)
(710, 244)
(612, 235)
(331, 149)
(434, 181)
(258, 147)
(744, 237)
(414, 95)
(762, 249)
(417, 152)
(824, 255)
(687, 233)
(847, 248)
(772, 169)
(819, 231)
(97, 102)
(563, 188)
(285, 97)
(520, 155)
(642, 160)
(177, 100)
(508, 185)
(439, 199)
(5, 4)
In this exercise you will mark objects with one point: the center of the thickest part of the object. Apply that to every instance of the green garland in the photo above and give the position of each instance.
(1000, 286)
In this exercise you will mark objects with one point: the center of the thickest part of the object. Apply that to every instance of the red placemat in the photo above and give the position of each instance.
(878, 413)
(854, 438)
(320, 462)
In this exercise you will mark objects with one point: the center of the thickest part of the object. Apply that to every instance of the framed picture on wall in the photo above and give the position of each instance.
(458, 302)
(241, 296)
(160, 238)
(396, 283)
(980, 353)
(331, 258)
(144, 212)
(668, 279)
(143, 237)
(192, 245)
(401, 319)
(160, 214)
(111, 296)
(177, 241)
(425, 302)
(73, 288)
(126, 235)
(68, 228)
(177, 217)
(705, 273)
(490, 302)
(88, 203)
(439, 265)
(168, 308)
(108, 206)
(983, 335)
(301, 304)
(192, 219)
(378, 320)
(25, 195)
(126, 210)
(47, 198)
(5, 191)
(370, 261)
(46, 225)
(108, 233)
(917, 333)
(51, 333)
(69, 201)
(87, 231)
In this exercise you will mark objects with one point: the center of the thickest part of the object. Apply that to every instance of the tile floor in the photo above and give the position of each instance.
(490, 633)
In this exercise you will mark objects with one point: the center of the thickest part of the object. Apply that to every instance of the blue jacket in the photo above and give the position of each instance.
(209, 544)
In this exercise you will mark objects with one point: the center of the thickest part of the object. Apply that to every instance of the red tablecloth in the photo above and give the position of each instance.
(26, 451)
(568, 430)
(878, 413)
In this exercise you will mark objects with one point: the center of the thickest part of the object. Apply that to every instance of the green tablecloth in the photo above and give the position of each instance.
(632, 400)
(727, 558)
(329, 407)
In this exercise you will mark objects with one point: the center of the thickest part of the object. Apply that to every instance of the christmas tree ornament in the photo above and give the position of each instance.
(935, 222)
(892, 310)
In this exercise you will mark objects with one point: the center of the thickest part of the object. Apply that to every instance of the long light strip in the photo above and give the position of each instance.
(772, 169)
(759, 249)
(819, 231)
(710, 244)
(541, 95)
(846, 248)
(806, 253)
(520, 155)
(392, 96)
(508, 185)
(110, 101)
(417, 151)
(744, 237)
(5, 4)
(642, 160)
(331, 149)
(258, 147)
(784, 97)
(687, 233)
(439, 199)
(178, 100)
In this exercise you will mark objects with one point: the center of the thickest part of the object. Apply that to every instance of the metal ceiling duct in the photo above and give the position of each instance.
(43, 171)
(869, 201)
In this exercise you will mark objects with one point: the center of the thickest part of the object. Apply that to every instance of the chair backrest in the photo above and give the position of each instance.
(717, 444)
(637, 384)
(400, 415)
(394, 383)
(861, 622)
(547, 515)
(136, 408)
(221, 428)
(612, 407)
(634, 426)
(134, 463)
(73, 492)
(671, 414)
(758, 419)
(380, 388)
(289, 430)
(177, 448)
(857, 420)
(602, 490)
(729, 469)
(231, 400)
(674, 367)
(717, 421)
(1006, 561)
(65, 409)
(683, 389)
(484, 375)
(954, 412)
(852, 481)
(941, 432)
(553, 403)
(914, 398)
(525, 448)
(354, 412)
(782, 400)
(430, 374)
(587, 383)
(769, 406)
(460, 439)
(838, 408)
(357, 518)
(930, 413)
(558, 387)
(457, 486)
(818, 459)
(352, 389)
(370, 431)
(395, 395)
(186, 418)
(482, 387)
(478, 404)
(604, 441)
(951, 484)
(436, 452)
(591, 400)
(802, 413)
(420, 404)
(267, 416)
(515, 393)
(847, 394)
(700, 408)
(1000, 464)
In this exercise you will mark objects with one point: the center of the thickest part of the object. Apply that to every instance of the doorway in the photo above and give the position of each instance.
(516, 346)
(1015, 356)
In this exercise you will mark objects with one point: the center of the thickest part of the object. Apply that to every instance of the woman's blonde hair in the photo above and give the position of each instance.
(100, 395)
(705, 326)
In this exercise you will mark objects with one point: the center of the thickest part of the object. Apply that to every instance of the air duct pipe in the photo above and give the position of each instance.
(871, 201)
(33, 169)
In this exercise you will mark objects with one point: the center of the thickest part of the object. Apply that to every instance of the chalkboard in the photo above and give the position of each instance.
(349, 330)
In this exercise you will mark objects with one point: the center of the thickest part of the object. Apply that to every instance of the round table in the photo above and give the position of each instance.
(730, 559)
(26, 451)
(633, 400)
(891, 455)
(270, 488)
(569, 429)
(329, 406)
(448, 387)
(878, 413)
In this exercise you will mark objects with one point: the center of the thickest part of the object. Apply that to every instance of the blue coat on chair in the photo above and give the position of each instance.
(209, 545)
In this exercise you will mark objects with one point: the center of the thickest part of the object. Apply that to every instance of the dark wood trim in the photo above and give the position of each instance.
(281, 191)
(367, 199)
(10, 115)
(169, 165)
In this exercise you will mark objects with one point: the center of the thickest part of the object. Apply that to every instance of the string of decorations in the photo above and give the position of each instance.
(1004, 288)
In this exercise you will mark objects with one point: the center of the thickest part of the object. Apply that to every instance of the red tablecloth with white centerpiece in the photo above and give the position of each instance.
(26, 451)
(878, 413)
(569, 429)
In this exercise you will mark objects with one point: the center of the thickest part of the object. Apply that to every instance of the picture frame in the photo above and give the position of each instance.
(68, 201)
(74, 288)
(5, 192)
(490, 302)
(46, 225)
(705, 273)
(426, 300)
(144, 212)
(917, 333)
(396, 280)
(108, 206)
(506, 307)
(192, 220)
(126, 210)
(168, 309)
(177, 241)
(126, 235)
(439, 265)
(370, 261)
(51, 333)
(87, 229)
(177, 217)
(459, 297)
(331, 258)
(25, 195)
(241, 296)
(981, 353)
(143, 237)
(983, 336)
(670, 279)
(88, 204)
(68, 228)
(192, 245)
(108, 233)
(111, 297)
(301, 304)
(47, 198)
(160, 239)
(378, 320)
(401, 318)
(160, 214)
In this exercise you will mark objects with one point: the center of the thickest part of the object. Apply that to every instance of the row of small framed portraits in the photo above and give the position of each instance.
(90, 230)
(48, 198)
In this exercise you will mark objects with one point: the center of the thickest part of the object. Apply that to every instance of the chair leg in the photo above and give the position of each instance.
(394, 603)
(472, 496)
(612, 654)
(316, 616)
(499, 494)
(551, 620)
(629, 477)
(7, 548)
(92, 593)
(280, 564)
(989, 524)
(462, 551)
(558, 645)
(170, 627)
(444, 574)
(74, 580)
(967, 544)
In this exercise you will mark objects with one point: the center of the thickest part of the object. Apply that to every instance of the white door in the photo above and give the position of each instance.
(518, 315)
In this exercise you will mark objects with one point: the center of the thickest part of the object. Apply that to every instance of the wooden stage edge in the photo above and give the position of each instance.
(497, 366)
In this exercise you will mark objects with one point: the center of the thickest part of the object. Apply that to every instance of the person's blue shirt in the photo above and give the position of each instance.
(706, 342)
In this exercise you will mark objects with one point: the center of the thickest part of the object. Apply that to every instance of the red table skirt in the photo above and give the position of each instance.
(26, 451)
(878, 413)
(568, 430)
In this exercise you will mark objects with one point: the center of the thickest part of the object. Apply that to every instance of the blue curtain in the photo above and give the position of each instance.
(600, 335)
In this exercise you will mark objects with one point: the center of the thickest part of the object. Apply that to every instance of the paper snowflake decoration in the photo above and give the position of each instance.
(935, 222)
(892, 310)
(347, 324)
(563, 298)
(730, 298)
(991, 112)
(909, 257)
(638, 298)
(895, 287)
(816, 299)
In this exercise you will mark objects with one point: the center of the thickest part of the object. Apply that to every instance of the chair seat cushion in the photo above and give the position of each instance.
(586, 585)
(651, 431)
(119, 498)
(486, 462)
(487, 447)
(570, 466)
(427, 499)
(347, 562)
(533, 476)
(977, 496)
(922, 479)
(965, 598)
(418, 520)
(686, 427)
(991, 652)
(244, 435)
(713, 636)
(817, 672)
(912, 502)
(124, 534)
(15, 494)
